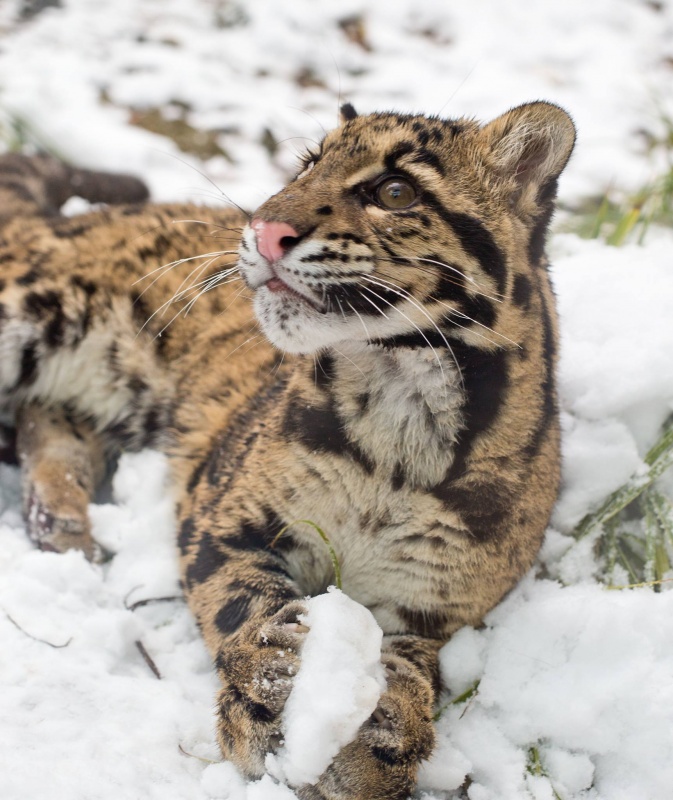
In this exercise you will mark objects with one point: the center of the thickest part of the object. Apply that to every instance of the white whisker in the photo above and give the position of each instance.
(404, 294)
(179, 261)
(411, 322)
(478, 287)
(225, 273)
(343, 355)
(175, 296)
(381, 312)
(354, 310)
(179, 292)
(209, 286)
(453, 310)
(189, 305)
(257, 336)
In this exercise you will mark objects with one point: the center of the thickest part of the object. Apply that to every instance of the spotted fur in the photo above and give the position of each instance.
(395, 386)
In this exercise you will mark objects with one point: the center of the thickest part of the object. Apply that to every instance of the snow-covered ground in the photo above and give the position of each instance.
(575, 692)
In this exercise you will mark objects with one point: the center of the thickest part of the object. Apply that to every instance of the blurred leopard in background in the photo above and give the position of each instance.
(394, 385)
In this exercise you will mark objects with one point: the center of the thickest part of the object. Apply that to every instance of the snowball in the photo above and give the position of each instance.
(336, 689)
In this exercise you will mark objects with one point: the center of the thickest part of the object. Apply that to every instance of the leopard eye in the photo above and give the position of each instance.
(395, 193)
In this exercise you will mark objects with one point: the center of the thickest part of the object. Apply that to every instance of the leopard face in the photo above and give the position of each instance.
(403, 227)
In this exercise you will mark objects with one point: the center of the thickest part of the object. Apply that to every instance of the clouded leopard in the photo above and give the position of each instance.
(373, 350)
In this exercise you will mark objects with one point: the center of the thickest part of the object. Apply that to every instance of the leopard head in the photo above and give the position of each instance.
(405, 229)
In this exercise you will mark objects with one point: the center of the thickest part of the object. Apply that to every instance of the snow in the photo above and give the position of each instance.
(568, 670)
(567, 667)
(88, 718)
(336, 689)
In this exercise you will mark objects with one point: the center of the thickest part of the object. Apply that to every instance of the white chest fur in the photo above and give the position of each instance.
(402, 407)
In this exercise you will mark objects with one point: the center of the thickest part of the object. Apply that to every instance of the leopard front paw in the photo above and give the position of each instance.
(257, 670)
(382, 762)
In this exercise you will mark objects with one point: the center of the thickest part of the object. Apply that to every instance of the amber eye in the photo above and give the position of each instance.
(395, 193)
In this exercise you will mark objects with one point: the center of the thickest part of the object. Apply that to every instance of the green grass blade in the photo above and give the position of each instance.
(601, 217)
(534, 766)
(624, 227)
(658, 459)
(335, 561)
(456, 701)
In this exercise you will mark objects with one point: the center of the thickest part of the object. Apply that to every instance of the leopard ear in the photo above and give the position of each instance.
(528, 147)
(348, 112)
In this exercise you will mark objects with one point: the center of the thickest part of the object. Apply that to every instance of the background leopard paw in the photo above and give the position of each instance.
(57, 517)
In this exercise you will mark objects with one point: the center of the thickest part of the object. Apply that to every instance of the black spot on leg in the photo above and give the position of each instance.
(232, 615)
(255, 536)
(186, 534)
(484, 507)
(387, 755)
(256, 711)
(209, 559)
(324, 211)
(420, 651)
(429, 624)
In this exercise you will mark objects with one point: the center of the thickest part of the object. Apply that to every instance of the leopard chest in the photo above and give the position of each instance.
(360, 461)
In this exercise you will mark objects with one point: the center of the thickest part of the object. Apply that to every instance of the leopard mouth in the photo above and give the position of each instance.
(278, 286)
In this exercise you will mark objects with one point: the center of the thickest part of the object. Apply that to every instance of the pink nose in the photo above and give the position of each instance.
(270, 237)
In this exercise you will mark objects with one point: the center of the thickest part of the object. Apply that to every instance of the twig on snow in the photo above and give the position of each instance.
(148, 600)
(148, 658)
(36, 638)
(193, 755)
